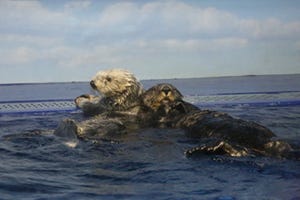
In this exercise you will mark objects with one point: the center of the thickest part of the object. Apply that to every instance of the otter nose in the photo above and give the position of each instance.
(166, 90)
(92, 83)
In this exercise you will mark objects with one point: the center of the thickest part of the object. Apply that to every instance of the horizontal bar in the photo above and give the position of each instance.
(65, 105)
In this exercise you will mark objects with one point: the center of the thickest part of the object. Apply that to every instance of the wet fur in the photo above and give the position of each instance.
(120, 89)
(217, 132)
(117, 112)
(99, 127)
(164, 99)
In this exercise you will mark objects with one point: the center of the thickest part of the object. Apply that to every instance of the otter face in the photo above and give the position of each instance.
(163, 94)
(115, 82)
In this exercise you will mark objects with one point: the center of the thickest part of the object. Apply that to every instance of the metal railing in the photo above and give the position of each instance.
(68, 105)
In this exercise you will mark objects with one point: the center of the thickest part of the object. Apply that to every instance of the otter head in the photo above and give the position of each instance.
(161, 96)
(118, 84)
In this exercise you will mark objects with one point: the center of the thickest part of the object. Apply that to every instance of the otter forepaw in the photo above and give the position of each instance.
(89, 104)
(81, 100)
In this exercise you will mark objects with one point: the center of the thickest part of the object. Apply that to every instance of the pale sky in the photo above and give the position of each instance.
(62, 40)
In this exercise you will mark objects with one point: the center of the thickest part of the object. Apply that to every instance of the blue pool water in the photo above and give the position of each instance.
(149, 164)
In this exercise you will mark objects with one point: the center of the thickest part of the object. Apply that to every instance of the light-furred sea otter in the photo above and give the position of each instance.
(120, 89)
(217, 132)
(117, 111)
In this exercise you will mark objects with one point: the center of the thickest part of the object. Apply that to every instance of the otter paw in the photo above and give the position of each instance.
(220, 148)
(84, 99)
(278, 148)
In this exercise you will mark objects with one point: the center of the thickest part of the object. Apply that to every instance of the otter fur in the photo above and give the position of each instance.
(217, 132)
(98, 127)
(117, 111)
(163, 100)
(120, 89)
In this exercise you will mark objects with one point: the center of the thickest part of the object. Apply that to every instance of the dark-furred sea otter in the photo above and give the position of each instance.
(217, 132)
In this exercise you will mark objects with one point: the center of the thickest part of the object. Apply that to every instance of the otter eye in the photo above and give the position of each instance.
(108, 79)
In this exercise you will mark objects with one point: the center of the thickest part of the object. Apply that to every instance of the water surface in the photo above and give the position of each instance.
(147, 164)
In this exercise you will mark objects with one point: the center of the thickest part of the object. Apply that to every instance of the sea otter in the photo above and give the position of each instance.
(118, 111)
(120, 89)
(217, 132)
(165, 102)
